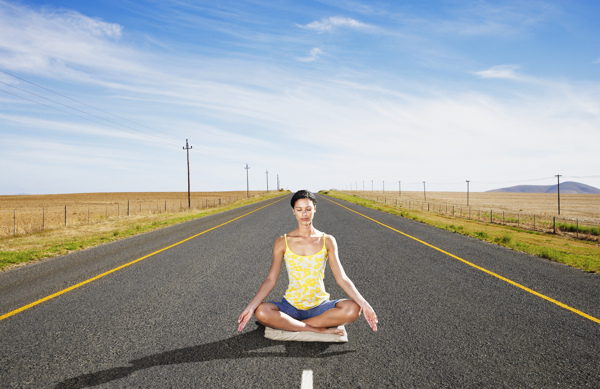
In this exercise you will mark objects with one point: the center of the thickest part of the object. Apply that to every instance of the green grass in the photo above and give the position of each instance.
(567, 227)
(51, 243)
(581, 254)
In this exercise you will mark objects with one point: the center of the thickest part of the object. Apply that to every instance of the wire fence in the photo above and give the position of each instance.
(22, 221)
(582, 228)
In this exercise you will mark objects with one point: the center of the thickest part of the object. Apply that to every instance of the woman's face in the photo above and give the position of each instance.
(304, 210)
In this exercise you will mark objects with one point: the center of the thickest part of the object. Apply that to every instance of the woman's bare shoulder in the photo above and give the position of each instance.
(330, 240)
(279, 243)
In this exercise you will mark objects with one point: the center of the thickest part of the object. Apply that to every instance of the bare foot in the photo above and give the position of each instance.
(333, 330)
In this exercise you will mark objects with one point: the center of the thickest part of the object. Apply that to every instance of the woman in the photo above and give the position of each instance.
(306, 305)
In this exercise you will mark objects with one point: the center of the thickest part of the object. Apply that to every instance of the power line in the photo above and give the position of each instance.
(103, 121)
(120, 126)
(75, 109)
(79, 102)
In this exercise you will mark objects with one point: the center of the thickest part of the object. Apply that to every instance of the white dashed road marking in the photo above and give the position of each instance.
(307, 379)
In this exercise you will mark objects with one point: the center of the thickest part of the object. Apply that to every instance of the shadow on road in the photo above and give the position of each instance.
(240, 346)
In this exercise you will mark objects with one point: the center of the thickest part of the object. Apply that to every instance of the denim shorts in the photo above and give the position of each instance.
(303, 314)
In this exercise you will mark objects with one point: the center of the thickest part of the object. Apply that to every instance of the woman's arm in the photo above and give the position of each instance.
(346, 283)
(267, 285)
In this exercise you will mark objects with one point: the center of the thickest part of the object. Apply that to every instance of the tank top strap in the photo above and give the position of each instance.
(286, 244)
(324, 241)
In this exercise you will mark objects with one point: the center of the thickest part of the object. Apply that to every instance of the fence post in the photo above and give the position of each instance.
(554, 224)
(492, 216)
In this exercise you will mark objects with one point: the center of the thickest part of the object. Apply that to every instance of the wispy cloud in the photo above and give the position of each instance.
(508, 72)
(315, 53)
(59, 42)
(328, 24)
(489, 18)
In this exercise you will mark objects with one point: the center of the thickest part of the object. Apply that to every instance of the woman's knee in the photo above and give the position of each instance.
(263, 312)
(351, 309)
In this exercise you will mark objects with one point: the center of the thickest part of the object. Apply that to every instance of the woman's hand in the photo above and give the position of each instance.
(245, 318)
(370, 316)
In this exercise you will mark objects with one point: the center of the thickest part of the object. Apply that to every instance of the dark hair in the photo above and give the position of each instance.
(303, 194)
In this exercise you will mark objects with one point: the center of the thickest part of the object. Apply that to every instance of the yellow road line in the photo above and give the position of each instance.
(480, 268)
(33, 304)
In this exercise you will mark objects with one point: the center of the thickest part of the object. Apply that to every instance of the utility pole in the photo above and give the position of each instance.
(468, 193)
(267, 181)
(188, 148)
(424, 192)
(247, 182)
(558, 178)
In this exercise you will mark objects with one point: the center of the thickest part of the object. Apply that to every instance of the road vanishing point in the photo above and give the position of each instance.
(160, 310)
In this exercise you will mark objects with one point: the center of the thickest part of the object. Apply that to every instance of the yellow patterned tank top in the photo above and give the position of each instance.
(306, 288)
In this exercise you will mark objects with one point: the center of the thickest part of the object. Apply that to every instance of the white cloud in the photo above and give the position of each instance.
(328, 24)
(315, 53)
(61, 43)
(501, 71)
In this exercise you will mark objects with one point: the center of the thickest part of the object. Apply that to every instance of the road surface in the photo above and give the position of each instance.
(160, 310)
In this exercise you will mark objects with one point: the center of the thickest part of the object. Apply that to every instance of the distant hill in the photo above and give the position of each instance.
(565, 187)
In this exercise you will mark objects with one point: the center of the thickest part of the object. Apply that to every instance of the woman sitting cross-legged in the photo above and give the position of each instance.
(306, 305)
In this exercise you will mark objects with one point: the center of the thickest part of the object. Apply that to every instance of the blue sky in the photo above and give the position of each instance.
(100, 96)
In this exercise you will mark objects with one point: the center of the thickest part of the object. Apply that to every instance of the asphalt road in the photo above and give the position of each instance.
(169, 320)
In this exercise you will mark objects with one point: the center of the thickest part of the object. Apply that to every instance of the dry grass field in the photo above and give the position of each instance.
(25, 214)
(572, 206)
(97, 218)
(579, 214)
